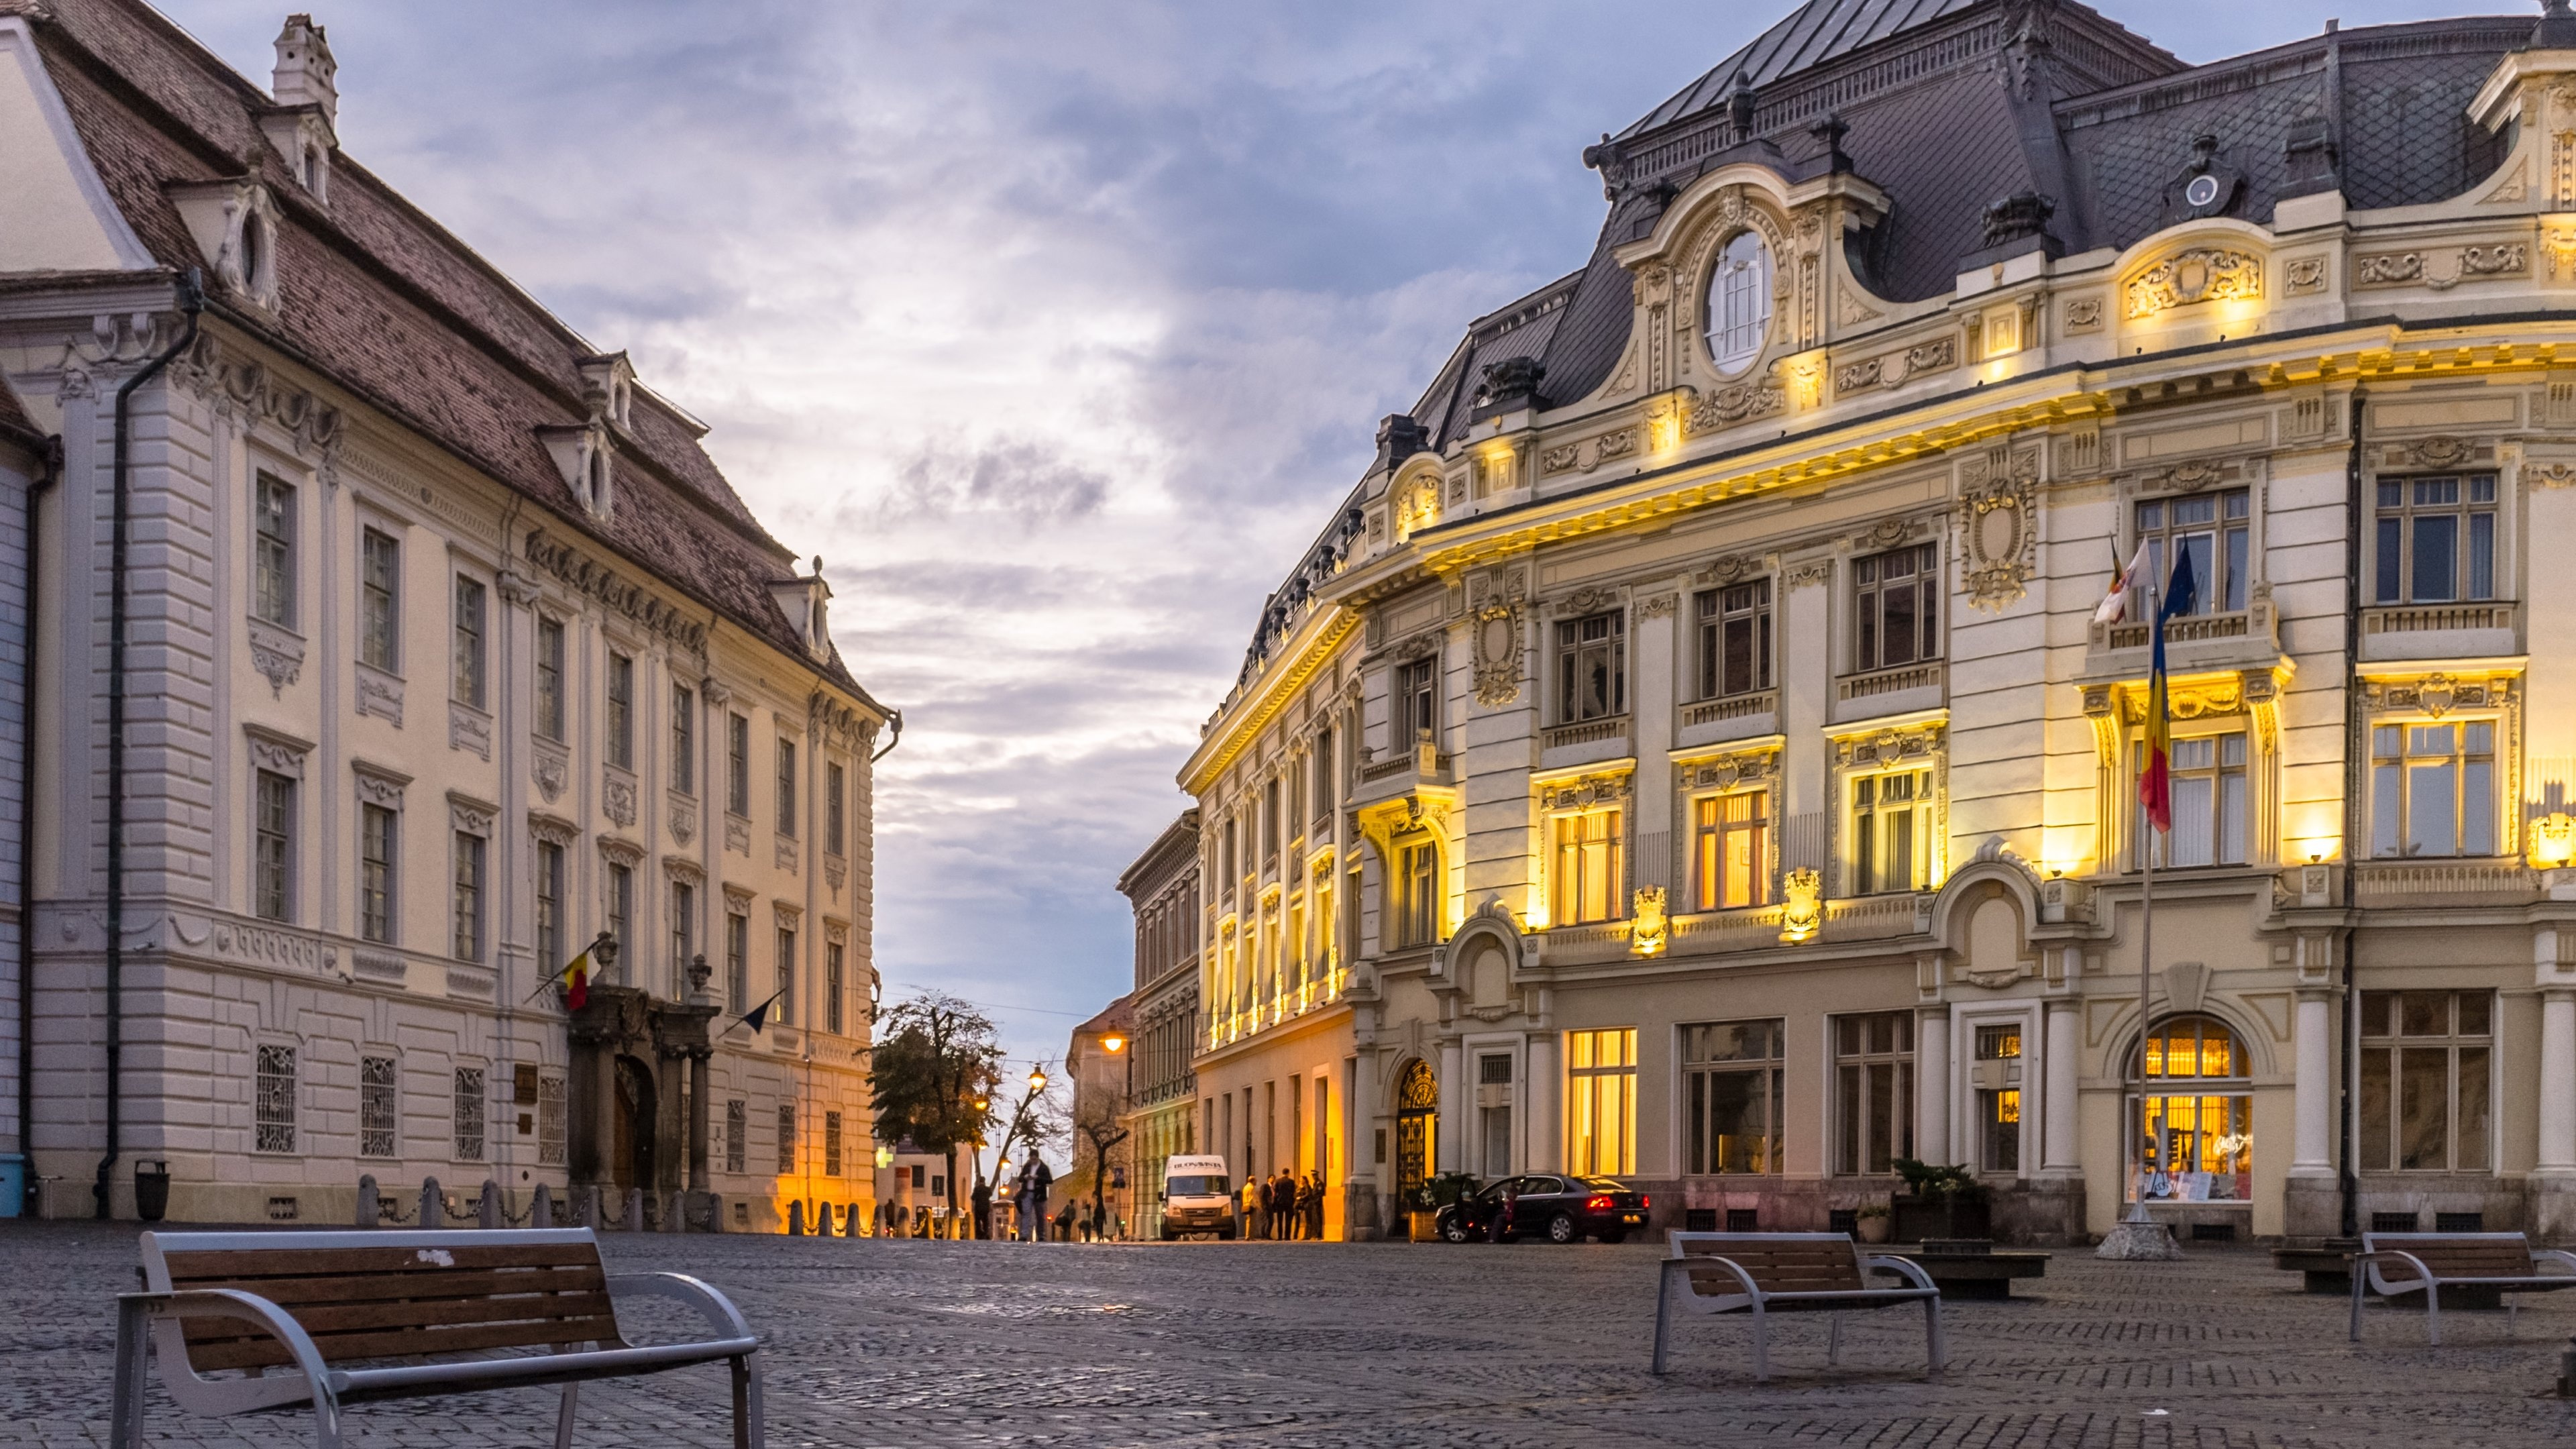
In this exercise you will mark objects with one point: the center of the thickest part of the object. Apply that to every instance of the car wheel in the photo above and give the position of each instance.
(1453, 1229)
(1614, 1237)
(1561, 1229)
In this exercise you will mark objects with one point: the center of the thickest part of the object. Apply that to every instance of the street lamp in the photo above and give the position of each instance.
(1037, 1080)
(885, 1155)
(1113, 1043)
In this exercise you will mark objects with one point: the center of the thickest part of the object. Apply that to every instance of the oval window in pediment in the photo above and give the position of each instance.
(1739, 302)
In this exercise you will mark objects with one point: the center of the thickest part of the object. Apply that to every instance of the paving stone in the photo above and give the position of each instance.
(1282, 1346)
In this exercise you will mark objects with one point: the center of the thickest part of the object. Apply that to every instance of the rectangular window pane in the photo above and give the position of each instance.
(379, 1110)
(550, 678)
(468, 686)
(684, 741)
(2471, 1141)
(2477, 807)
(835, 790)
(2377, 1132)
(621, 711)
(2235, 572)
(2432, 803)
(273, 552)
(2386, 818)
(273, 847)
(375, 872)
(379, 620)
(550, 890)
(469, 1114)
(738, 764)
(2424, 1108)
(2481, 556)
(273, 1102)
(2389, 563)
(2436, 558)
(786, 978)
(467, 944)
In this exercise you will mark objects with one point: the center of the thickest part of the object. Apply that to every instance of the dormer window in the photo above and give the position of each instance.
(1739, 303)
(597, 478)
(254, 253)
(583, 455)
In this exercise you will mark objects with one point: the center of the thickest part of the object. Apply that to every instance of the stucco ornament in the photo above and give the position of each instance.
(1651, 929)
(1501, 603)
(2202, 274)
(1999, 529)
(1803, 913)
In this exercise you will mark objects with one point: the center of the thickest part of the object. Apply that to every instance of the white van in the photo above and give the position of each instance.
(1198, 1197)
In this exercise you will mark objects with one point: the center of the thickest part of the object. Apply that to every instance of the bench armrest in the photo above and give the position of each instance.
(712, 1305)
(2364, 1268)
(198, 1394)
(1905, 1268)
(2565, 1259)
(1711, 1260)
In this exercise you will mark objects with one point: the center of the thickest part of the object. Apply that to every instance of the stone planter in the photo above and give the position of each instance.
(1916, 1219)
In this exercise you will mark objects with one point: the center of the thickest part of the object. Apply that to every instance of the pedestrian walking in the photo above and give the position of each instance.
(1247, 1209)
(982, 1198)
(1315, 1207)
(1283, 1205)
(1034, 1208)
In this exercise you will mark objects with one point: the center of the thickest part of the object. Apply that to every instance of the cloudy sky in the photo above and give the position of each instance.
(1056, 328)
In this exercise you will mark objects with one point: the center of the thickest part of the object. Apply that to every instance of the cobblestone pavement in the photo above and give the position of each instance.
(1243, 1345)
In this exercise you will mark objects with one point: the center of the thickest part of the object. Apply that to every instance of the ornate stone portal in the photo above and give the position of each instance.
(638, 1098)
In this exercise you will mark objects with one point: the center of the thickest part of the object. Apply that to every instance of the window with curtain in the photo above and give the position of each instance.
(2427, 1081)
(2209, 804)
(1739, 302)
(1891, 836)
(1732, 835)
(1417, 893)
(1873, 1091)
(2199, 1120)
(2434, 540)
(1896, 607)
(1588, 874)
(379, 600)
(1592, 667)
(1416, 705)
(2214, 529)
(1731, 1081)
(2433, 789)
(1734, 640)
(1601, 1101)
(470, 644)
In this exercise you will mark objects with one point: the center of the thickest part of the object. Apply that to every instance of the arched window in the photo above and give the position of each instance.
(1417, 1122)
(254, 251)
(1739, 302)
(2199, 1125)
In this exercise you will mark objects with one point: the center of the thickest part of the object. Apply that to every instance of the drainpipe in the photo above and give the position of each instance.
(47, 471)
(2355, 742)
(192, 300)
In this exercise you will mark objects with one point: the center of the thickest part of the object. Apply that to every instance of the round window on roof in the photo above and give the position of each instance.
(1739, 302)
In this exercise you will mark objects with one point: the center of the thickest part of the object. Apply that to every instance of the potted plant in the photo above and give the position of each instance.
(1872, 1222)
(1939, 1202)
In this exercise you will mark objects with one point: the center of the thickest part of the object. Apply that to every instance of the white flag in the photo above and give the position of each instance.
(2115, 604)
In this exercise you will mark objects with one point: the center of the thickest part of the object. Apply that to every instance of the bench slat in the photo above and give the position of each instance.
(461, 1283)
(396, 1343)
(317, 1262)
(348, 1317)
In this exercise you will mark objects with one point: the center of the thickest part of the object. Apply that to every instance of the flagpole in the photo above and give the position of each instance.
(2136, 1237)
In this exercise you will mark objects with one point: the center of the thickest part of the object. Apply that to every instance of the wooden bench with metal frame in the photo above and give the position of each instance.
(2497, 1263)
(1766, 1273)
(340, 1318)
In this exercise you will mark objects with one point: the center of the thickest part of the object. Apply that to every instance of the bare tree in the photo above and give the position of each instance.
(1102, 1131)
(936, 1060)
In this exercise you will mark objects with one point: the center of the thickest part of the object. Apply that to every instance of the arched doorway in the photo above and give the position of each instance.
(630, 1158)
(1417, 1129)
(2198, 1131)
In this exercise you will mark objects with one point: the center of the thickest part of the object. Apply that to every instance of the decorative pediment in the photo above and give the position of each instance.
(1582, 792)
(2192, 276)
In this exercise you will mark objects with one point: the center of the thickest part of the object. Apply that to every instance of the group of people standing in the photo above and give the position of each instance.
(1284, 1207)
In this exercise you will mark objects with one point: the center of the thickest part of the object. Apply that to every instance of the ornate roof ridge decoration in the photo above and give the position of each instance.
(2192, 275)
(596, 580)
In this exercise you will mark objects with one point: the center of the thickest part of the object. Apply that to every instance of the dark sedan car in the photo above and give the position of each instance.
(1563, 1209)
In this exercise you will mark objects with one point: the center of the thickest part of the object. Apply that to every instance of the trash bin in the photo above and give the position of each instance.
(151, 1190)
(13, 1186)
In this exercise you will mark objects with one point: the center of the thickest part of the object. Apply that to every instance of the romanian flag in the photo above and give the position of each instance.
(2155, 782)
(576, 981)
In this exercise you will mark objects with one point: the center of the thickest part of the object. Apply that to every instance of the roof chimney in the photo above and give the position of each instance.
(305, 68)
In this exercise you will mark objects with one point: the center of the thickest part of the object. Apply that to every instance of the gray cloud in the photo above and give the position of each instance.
(1055, 329)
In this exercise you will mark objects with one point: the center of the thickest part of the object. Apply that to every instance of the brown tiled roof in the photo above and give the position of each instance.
(390, 305)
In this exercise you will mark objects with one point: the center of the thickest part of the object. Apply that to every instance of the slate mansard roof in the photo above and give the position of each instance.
(1949, 106)
(391, 306)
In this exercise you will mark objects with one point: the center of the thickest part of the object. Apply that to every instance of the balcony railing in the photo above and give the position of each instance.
(1926, 674)
(2415, 618)
(2378, 880)
(1735, 707)
(1586, 733)
(2182, 630)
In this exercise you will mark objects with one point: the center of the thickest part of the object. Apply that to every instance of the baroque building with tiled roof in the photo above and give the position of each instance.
(394, 644)
(1691, 756)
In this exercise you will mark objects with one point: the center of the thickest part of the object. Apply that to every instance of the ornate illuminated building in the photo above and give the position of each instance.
(1159, 1093)
(439, 648)
(1690, 755)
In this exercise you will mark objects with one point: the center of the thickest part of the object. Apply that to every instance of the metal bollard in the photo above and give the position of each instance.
(850, 1222)
(796, 1220)
(541, 1210)
(433, 1206)
(487, 1212)
(370, 1211)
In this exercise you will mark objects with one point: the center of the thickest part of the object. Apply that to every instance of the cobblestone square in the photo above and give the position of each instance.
(972, 1344)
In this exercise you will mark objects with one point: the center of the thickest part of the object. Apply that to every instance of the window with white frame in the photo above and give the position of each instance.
(273, 1098)
(376, 832)
(787, 787)
(621, 915)
(379, 600)
(2434, 540)
(738, 960)
(550, 901)
(1592, 667)
(550, 678)
(470, 645)
(1588, 873)
(1601, 1103)
(738, 765)
(834, 961)
(379, 1106)
(1734, 640)
(1739, 302)
(1896, 608)
(1731, 1078)
(1416, 705)
(684, 740)
(1417, 892)
(786, 976)
(273, 551)
(2215, 531)
(1891, 840)
(2208, 792)
(273, 846)
(1873, 1091)
(2427, 1086)
(684, 932)
(1998, 1065)
(835, 807)
(469, 1114)
(2433, 788)
(466, 934)
(621, 710)
(1732, 850)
